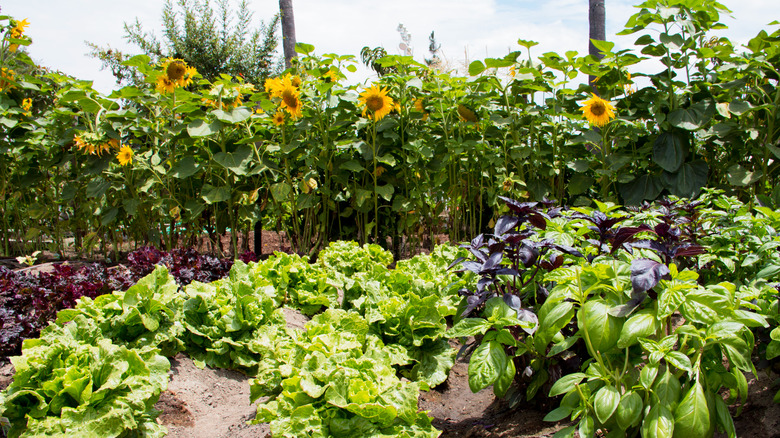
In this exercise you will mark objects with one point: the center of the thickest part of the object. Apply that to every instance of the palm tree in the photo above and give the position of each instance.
(597, 20)
(288, 31)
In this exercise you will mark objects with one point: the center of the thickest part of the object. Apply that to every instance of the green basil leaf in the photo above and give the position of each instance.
(505, 379)
(603, 329)
(724, 418)
(642, 324)
(486, 365)
(659, 423)
(667, 389)
(605, 402)
(566, 383)
(629, 410)
(692, 416)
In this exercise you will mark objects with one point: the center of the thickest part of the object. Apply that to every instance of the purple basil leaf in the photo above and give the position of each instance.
(458, 260)
(472, 266)
(689, 250)
(646, 273)
(537, 220)
(493, 261)
(527, 255)
(508, 271)
(505, 223)
(526, 315)
(513, 301)
(481, 256)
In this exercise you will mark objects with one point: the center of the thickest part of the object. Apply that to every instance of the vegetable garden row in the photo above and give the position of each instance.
(641, 320)
(419, 152)
(652, 302)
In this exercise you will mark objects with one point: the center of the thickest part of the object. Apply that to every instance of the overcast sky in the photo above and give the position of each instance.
(466, 29)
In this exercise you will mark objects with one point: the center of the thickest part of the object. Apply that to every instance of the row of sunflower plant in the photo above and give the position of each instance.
(417, 152)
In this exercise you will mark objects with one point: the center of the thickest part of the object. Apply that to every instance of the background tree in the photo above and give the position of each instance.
(288, 31)
(214, 41)
(597, 31)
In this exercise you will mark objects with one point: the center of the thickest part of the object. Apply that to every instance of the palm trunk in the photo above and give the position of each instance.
(597, 20)
(288, 31)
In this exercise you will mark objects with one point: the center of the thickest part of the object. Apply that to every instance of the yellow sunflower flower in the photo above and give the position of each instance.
(467, 114)
(17, 32)
(165, 85)
(291, 102)
(93, 143)
(6, 79)
(598, 111)
(176, 74)
(27, 104)
(125, 155)
(376, 103)
(278, 118)
(331, 76)
(273, 84)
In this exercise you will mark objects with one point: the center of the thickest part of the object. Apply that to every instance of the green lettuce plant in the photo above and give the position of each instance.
(338, 379)
(72, 381)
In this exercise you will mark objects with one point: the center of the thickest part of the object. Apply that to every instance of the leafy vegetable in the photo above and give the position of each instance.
(65, 387)
(339, 380)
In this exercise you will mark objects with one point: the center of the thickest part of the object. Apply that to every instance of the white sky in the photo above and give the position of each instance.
(466, 29)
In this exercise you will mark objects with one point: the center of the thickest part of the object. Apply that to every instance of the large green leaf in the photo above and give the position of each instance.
(199, 128)
(237, 162)
(184, 168)
(692, 118)
(385, 191)
(280, 191)
(642, 188)
(669, 150)
(741, 177)
(688, 180)
(235, 115)
(692, 416)
(487, 364)
(642, 324)
(602, 329)
(212, 194)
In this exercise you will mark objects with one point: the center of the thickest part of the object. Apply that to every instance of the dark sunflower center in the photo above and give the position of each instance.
(598, 109)
(374, 103)
(290, 99)
(175, 70)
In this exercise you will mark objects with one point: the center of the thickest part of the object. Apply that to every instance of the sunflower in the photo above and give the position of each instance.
(27, 104)
(291, 102)
(376, 102)
(467, 114)
(598, 111)
(165, 85)
(309, 185)
(95, 144)
(6, 79)
(17, 32)
(177, 74)
(419, 106)
(331, 76)
(125, 155)
(278, 118)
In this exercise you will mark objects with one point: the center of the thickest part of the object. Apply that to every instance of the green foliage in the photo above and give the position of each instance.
(212, 40)
(227, 321)
(145, 315)
(339, 380)
(64, 386)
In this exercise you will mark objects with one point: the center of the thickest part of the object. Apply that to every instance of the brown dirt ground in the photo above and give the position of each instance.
(215, 403)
